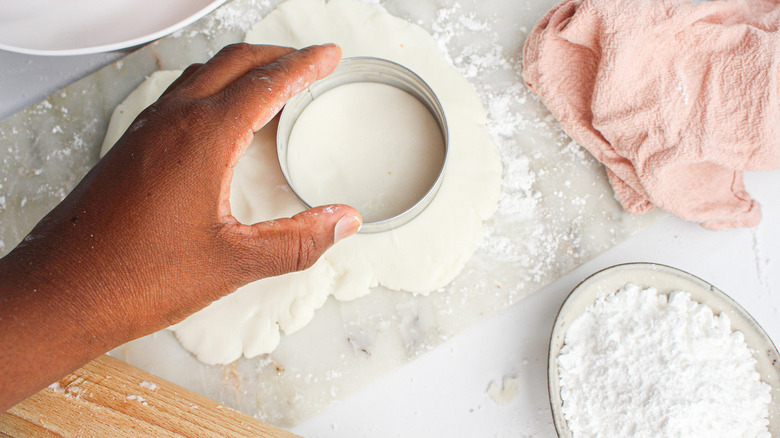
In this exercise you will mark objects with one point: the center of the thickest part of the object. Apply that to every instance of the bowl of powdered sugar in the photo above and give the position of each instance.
(648, 350)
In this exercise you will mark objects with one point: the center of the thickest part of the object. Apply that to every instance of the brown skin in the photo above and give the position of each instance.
(147, 237)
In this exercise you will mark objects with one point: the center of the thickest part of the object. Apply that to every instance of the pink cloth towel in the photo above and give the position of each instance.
(675, 98)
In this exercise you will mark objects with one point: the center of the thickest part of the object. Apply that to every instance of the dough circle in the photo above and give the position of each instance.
(420, 257)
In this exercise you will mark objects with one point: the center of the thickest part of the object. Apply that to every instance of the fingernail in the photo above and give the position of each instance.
(347, 226)
(330, 45)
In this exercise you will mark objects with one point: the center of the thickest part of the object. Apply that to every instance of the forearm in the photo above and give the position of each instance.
(81, 284)
(52, 322)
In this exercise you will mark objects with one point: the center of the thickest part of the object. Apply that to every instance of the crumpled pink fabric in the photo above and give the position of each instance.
(676, 98)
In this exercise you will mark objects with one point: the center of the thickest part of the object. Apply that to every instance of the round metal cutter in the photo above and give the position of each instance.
(367, 69)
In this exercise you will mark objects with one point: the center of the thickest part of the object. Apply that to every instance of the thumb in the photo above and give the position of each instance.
(286, 245)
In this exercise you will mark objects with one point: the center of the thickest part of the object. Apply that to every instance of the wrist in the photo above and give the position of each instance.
(50, 325)
(62, 297)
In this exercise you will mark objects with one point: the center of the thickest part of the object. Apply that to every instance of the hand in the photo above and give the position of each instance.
(147, 237)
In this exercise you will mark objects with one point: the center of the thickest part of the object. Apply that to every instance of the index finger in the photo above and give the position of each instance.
(232, 62)
(254, 99)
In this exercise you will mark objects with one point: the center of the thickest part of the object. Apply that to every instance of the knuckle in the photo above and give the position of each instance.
(277, 72)
(297, 250)
(278, 78)
(236, 49)
(308, 252)
(187, 119)
(237, 54)
(308, 50)
(192, 68)
(279, 251)
(195, 114)
(283, 66)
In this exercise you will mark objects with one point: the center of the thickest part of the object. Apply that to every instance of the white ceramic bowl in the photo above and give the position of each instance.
(664, 279)
(78, 27)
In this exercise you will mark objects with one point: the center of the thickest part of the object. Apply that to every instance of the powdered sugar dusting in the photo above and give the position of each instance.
(483, 57)
(148, 385)
(57, 388)
(227, 19)
(546, 214)
(138, 399)
(45, 151)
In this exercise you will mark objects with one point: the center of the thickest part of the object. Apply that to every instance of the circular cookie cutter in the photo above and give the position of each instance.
(367, 69)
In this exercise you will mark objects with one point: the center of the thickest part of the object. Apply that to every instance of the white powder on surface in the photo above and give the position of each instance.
(225, 19)
(639, 363)
(137, 398)
(473, 48)
(538, 230)
(148, 385)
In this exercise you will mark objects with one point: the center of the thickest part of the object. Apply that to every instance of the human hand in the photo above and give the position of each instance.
(157, 204)
(147, 237)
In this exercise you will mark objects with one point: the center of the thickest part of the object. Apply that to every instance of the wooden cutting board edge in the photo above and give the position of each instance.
(111, 398)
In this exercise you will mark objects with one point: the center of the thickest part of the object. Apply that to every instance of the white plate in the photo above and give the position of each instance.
(664, 279)
(77, 27)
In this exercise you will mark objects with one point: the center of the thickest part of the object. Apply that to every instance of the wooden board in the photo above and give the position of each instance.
(110, 398)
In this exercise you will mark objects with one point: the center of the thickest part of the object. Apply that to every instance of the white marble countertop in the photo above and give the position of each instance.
(444, 392)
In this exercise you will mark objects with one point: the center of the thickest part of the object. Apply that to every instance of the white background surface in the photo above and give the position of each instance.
(444, 392)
